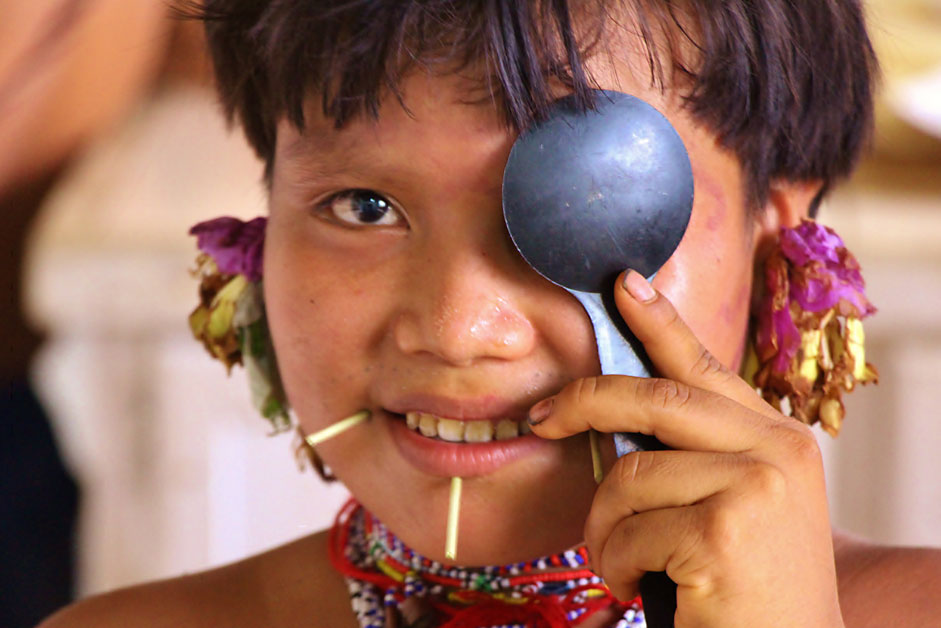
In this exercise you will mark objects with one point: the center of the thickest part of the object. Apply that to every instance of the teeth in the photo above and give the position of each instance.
(428, 425)
(451, 430)
(507, 429)
(478, 432)
(465, 431)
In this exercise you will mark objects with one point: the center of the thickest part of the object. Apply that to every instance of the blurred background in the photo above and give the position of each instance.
(111, 146)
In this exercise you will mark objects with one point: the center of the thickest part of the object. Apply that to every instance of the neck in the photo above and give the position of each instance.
(388, 578)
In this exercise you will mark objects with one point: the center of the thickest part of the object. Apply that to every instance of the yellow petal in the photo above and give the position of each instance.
(855, 344)
(198, 320)
(220, 320)
(810, 347)
(222, 308)
(231, 291)
(831, 416)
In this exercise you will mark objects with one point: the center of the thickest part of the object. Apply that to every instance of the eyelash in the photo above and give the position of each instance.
(328, 209)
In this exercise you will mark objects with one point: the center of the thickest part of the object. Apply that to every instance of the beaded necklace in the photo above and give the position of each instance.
(393, 586)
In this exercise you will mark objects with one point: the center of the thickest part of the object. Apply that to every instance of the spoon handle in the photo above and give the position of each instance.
(620, 353)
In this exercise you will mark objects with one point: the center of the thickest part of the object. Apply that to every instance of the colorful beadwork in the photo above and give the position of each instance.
(385, 578)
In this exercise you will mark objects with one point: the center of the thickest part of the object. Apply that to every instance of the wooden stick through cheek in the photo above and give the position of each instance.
(337, 428)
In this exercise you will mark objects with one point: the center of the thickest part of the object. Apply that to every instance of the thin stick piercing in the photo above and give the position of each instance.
(454, 511)
(337, 428)
(595, 444)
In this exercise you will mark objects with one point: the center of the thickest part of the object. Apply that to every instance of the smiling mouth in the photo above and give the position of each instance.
(454, 431)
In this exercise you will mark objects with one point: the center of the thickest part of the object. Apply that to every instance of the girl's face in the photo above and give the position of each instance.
(391, 284)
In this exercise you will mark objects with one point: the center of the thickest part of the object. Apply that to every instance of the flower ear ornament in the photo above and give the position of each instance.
(230, 318)
(808, 336)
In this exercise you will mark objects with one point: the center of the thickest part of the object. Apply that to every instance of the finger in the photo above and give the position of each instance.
(648, 480)
(672, 346)
(645, 542)
(679, 415)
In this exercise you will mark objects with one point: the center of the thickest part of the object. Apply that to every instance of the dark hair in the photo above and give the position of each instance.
(785, 84)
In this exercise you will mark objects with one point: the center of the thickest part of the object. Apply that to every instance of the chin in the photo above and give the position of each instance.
(502, 519)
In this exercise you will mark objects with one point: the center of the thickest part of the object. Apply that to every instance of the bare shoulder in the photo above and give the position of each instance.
(291, 585)
(882, 585)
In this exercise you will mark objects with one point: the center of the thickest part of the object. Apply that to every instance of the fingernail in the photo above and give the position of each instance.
(540, 412)
(638, 287)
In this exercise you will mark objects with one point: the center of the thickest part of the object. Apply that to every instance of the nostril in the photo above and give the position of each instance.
(465, 331)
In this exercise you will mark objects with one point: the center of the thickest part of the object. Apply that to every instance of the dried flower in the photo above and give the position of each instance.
(230, 318)
(211, 321)
(830, 276)
(235, 246)
(809, 336)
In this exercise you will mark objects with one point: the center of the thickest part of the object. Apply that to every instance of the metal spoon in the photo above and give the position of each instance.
(587, 195)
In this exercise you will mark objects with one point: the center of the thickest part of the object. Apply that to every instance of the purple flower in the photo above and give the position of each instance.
(827, 275)
(778, 337)
(808, 336)
(234, 245)
(811, 241)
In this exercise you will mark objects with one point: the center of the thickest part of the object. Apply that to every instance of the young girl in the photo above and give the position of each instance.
(393, 291)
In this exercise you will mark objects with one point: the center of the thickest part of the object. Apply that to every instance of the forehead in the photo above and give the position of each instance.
(435, 102)
(430, 105)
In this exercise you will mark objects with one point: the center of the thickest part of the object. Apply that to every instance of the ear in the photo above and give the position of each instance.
(788, 203)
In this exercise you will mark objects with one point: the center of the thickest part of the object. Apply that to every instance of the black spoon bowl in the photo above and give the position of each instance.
(587, 195)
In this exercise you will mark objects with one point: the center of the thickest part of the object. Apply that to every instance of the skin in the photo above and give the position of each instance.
(440, 302)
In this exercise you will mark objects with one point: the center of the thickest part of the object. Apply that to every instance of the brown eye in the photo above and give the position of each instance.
(362, 208)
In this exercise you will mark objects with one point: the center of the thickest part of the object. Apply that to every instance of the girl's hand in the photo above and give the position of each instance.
(736, 513)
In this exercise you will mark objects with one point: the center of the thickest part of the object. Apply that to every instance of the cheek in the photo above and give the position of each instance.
(320, 317)
(709, 277)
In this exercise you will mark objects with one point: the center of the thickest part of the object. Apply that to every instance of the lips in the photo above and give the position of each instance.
(435, 456)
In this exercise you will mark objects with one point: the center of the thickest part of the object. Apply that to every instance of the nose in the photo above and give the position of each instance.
(465, 306)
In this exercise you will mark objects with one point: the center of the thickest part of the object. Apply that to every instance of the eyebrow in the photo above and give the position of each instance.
(340, 158)
(311, 152)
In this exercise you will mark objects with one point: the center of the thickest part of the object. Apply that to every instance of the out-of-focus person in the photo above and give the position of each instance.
(69, 70)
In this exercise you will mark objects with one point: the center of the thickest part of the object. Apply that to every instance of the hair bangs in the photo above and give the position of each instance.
(787, 85)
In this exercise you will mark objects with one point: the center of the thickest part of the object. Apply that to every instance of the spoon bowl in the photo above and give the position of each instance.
(589, 194)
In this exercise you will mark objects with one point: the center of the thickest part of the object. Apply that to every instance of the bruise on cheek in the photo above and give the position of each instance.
(731, 312)
(728, 313)
(716, 218)
(712, 190)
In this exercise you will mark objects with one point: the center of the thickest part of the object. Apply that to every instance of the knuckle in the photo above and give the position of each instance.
(707, 365)
(800, 442)
(689, 557)
(767, 480)
(584, 390)
(721, 530)
(633, 466)
(667, 393)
